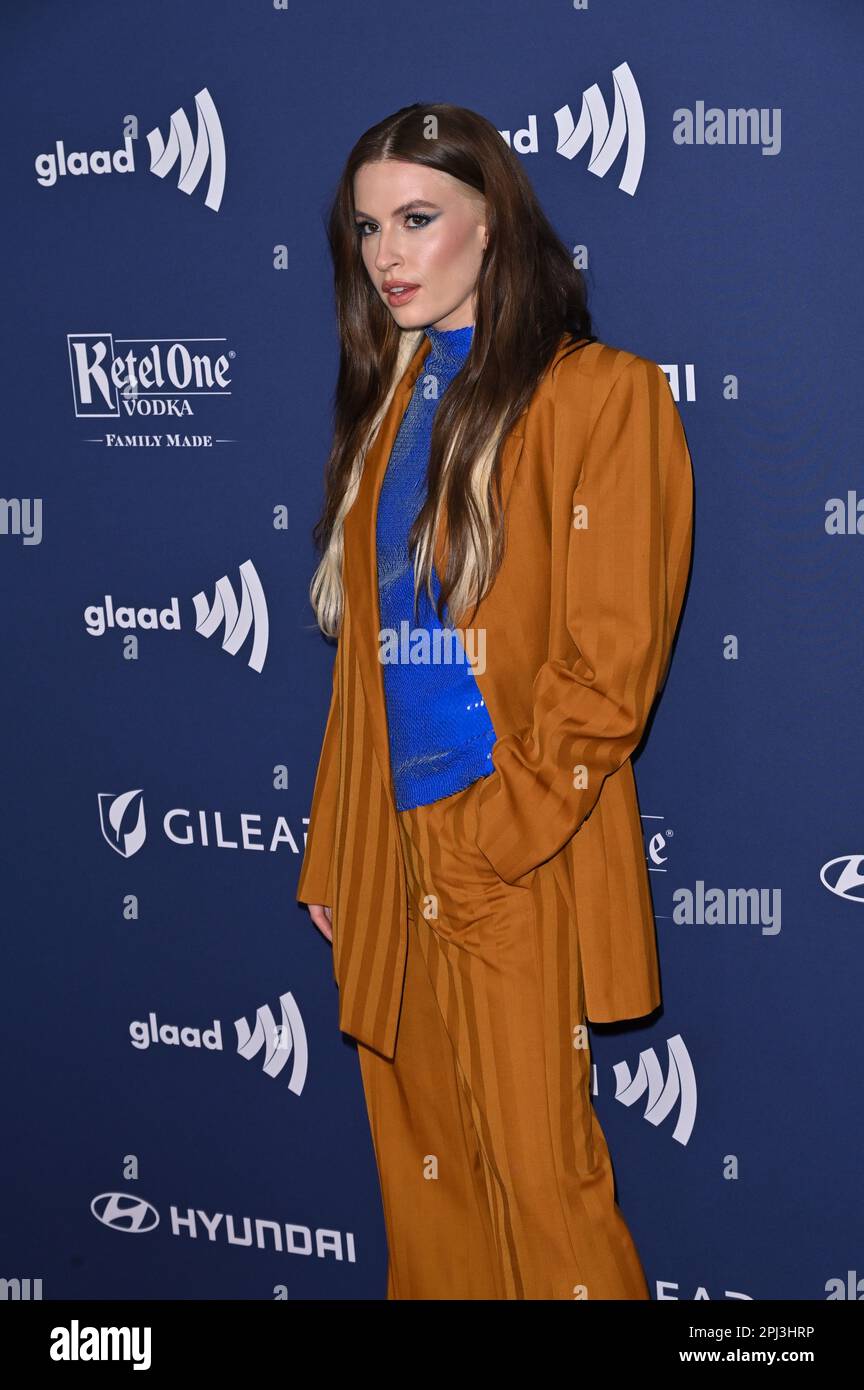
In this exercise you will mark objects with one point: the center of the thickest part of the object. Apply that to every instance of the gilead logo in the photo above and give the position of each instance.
(194, 154)
(121, 818)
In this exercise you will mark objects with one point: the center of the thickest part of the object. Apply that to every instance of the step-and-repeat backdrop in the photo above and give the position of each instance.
(168, 363)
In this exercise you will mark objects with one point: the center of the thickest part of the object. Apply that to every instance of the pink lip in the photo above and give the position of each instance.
(395, 299)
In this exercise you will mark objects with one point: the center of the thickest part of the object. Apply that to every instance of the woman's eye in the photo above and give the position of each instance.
(423, 218)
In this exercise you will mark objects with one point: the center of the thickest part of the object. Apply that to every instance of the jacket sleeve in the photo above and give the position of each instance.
(315, 883)
(627, 565)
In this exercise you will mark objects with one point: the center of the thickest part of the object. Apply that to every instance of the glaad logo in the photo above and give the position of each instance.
(208, 146)
(279, 1042)
(151, 376)
(239, 620)
(193, 154)
(115, 810)
(679, 1087)
(848, 881)
(251, 615)
(607, 138)
(121, 1212)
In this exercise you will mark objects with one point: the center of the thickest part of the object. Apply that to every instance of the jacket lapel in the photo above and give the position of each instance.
(360, 571)
(360, 552)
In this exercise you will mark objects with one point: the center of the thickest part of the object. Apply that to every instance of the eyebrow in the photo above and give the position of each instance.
(403, 207)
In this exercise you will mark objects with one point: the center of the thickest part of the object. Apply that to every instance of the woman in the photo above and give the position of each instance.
(475, 850)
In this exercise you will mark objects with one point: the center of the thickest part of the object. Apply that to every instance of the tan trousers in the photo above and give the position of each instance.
(495, 1176)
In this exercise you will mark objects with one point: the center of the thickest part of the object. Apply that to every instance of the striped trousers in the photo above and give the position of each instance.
(495, 1175)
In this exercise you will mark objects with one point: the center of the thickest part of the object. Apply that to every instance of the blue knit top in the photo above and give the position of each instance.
(438, 725)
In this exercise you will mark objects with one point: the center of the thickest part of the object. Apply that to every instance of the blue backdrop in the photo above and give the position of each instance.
(168, 363)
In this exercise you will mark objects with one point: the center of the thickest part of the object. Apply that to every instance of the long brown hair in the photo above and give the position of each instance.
(528, 294)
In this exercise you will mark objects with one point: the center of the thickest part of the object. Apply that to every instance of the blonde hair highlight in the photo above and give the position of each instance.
(326, 590)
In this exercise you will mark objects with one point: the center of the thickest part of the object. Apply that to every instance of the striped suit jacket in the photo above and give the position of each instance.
(598, 489)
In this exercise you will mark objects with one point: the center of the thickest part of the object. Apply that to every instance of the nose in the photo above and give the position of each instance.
(387, 256)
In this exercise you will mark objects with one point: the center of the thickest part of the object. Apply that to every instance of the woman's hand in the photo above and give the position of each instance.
(322, 917)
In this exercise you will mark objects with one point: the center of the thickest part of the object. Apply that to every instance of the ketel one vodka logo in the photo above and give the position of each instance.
(235, 621)
(192, 156)
(116, 378)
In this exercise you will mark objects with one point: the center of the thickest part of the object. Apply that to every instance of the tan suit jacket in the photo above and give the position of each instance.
(580, 621)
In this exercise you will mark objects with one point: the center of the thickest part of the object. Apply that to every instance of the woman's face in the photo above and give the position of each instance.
(422, 228)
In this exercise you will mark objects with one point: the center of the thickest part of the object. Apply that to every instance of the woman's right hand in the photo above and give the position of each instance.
(322, 917)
